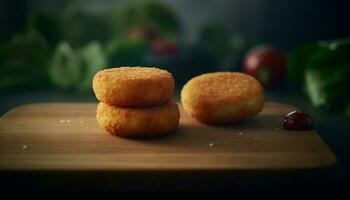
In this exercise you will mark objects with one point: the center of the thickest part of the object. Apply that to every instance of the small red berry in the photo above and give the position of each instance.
(297, 121)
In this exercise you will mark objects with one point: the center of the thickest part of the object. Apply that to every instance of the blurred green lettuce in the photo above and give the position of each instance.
(123, 50)
(49, 25)
(151, 14)
(72, 24)
(74, 69)
(323, 69)
(79, 27)
(23, 61)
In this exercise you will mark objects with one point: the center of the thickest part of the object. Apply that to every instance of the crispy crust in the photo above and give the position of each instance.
(138, 122)
(222, 97)
(133, 86)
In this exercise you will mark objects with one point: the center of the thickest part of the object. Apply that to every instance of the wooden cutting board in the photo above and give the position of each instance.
(66, 136)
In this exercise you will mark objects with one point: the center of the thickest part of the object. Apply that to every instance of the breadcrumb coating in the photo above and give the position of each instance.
(138, 122)
(222, 97)
(133, 86)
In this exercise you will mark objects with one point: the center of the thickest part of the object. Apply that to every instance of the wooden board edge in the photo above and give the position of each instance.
(202, 162)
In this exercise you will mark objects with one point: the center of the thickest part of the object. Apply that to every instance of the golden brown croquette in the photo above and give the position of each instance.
(138, 122)
(222, 97)
(133, 86)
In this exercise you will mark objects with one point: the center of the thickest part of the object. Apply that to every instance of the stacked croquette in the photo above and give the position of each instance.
(136, 101)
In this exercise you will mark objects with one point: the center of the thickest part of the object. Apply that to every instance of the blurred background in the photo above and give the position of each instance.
(59, 45)
(300, 50)
(53, 48)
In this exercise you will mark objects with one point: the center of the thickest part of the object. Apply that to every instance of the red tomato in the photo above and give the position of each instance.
(163, 47)
(266, 64)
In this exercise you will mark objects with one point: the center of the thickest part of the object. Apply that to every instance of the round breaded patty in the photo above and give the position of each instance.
(138, 122)
(222, 97)
(133, 86)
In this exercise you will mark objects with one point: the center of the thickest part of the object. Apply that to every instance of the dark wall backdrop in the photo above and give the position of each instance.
(286, 23)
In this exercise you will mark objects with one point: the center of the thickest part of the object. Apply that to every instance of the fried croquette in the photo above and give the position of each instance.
(138, 122)
(222, 97)
(133, 86)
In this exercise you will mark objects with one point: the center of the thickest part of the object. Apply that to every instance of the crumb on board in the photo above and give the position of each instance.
(211, 144)
(65, 121)
(82, 119)
(240, 133)
(24, 146)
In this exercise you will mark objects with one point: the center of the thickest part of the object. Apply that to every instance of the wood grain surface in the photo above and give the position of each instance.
(66, 136)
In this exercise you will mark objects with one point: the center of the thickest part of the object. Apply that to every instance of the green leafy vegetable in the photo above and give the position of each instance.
(124, 50)
(93, 59)
(65, 66)
(49, 26)
(327, 73)
(151, 14)
(74, 69)
(161, 17)
(324, 70)
(80, 27)
(297, 60)
(23, 61)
